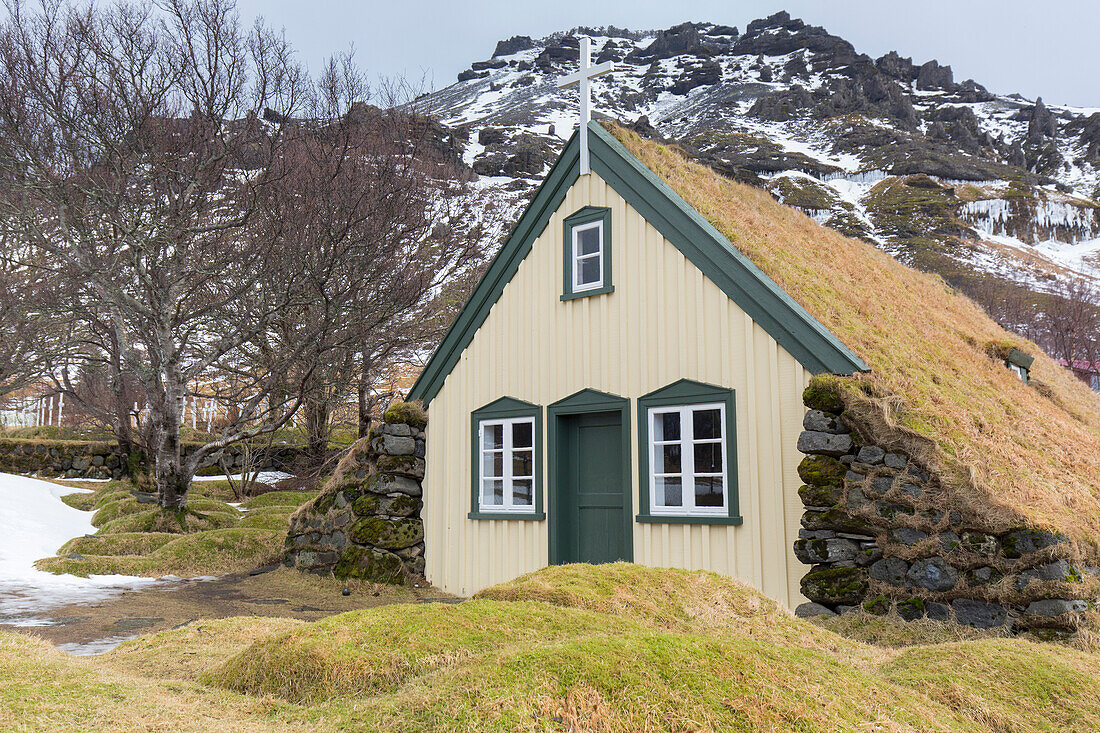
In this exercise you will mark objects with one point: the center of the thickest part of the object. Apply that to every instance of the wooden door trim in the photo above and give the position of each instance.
(580, 403)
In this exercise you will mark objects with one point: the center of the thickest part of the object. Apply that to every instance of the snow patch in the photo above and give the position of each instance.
(34, 523)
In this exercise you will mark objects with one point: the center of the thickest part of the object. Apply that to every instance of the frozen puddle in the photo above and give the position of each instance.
(99, 646)
(34, 523)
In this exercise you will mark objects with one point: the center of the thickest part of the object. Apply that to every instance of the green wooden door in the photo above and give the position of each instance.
(592, 504)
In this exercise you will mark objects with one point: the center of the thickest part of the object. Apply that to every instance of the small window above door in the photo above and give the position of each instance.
(587, 253)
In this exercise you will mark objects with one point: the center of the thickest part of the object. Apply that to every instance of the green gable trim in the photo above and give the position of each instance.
(586, 215)
(806, 339)
(505, 407)
(579, 403)
(681, 393)
(758, 295)
(500, 271)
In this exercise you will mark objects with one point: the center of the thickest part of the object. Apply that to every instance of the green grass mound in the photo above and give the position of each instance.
(1007, 684)
(189, 651)
(654, 681)
(672, 599)
(279, 498)
(276, 517)
(212, 552)
(373, 651)
(116, 506)
(128, 543)
(159, 520)
(83, 502)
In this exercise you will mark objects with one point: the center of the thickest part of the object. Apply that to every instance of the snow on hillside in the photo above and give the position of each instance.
(799, 111)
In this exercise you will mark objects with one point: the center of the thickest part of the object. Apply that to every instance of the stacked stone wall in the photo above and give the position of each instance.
(106, 460)
(366, 522)
(882, 534)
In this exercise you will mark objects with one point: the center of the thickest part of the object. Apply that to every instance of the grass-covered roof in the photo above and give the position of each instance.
(938, 386)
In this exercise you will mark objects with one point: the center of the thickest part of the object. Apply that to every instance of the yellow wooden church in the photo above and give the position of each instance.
(623, 384)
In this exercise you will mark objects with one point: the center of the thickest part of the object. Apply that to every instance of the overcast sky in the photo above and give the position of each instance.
(1042, 48)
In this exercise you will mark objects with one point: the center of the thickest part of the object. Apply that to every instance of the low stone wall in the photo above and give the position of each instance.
(366, 522)
(104, 459)
(882, 534)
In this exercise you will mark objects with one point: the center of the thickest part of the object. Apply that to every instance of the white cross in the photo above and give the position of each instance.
(584, 77)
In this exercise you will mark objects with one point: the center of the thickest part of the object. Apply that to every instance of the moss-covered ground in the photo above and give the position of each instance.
(212, 537)
(574, 648)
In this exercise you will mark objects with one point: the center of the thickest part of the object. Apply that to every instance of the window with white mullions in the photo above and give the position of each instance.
(587, 256)
(507, 476)
(688, 460)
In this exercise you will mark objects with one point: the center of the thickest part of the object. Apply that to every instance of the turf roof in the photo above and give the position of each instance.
(938, 384)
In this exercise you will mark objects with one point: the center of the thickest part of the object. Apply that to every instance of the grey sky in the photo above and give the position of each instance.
(1042, 48)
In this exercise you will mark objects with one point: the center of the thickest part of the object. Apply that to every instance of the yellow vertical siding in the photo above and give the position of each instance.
(665, 321)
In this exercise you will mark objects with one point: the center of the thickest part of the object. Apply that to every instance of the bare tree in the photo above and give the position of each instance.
(134, 159)
(27, 334)
(221, 225)
(1069, 327)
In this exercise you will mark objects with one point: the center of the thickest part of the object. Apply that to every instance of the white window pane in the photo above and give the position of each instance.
(708, 458)
(492, 436)
(523, 463)
(492, 492)
(669, 491)
(588, 271)
(522, 492)
(708, 491)
(668, 458)
(666, 426)
(588, 240)
(522, 434)
(707, 423)
(492, 464)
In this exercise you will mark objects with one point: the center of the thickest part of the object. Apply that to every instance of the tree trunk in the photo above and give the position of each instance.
(173, 480)
(364, 400)
(317, 428)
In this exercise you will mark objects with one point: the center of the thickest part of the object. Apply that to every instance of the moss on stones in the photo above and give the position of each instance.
(407, 413)
(377, 567)
(390, 534)
(367, 505)
(877, 606)
(835, 585)
(822, 471)
(821, 495)
(820, 396)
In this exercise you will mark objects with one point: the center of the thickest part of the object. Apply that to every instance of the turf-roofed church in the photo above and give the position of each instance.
(623, 384)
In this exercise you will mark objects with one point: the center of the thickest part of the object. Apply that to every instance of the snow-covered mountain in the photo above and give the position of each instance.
(943, 174)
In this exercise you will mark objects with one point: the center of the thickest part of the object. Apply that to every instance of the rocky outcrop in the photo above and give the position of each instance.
(366, 521)
(881, 533)
(515, 44)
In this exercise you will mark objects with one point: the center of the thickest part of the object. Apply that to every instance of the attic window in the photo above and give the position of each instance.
(1020, 364)
(587, 253)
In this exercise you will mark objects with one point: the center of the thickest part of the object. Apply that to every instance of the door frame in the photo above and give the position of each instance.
(581, 403)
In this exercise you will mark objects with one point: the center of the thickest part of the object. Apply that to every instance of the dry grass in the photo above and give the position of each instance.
(1015, 453)
(577, 648)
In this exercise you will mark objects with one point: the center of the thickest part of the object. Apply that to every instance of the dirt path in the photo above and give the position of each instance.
(98, 627)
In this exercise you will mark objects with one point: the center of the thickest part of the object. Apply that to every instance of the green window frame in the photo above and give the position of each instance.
(506, 410)
(686, 394)
(589, 217)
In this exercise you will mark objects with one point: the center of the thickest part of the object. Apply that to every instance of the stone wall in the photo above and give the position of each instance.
(366, 521)
(104, 459)
(883, 534)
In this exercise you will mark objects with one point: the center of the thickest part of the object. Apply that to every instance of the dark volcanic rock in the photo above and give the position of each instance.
(705, 74)
(679, 39)
(515, 44)
(897, 67)
(932, 76)
(1041, 124)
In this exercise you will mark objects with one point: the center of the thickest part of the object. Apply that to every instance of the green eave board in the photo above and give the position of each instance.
(803, 336)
